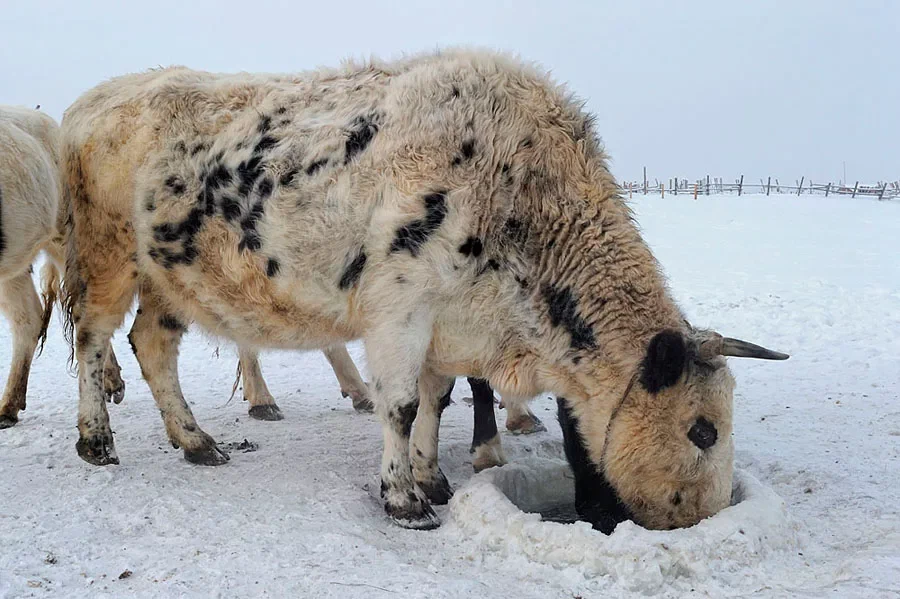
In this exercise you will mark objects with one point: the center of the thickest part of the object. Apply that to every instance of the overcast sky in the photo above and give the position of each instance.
(760, 87)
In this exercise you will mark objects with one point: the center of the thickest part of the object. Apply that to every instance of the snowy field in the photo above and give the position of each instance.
(816, 277)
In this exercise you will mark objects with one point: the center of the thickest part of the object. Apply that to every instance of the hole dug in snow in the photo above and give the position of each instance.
(500, 509)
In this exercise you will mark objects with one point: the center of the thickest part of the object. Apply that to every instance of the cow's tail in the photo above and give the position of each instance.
(51, 281)
(73, 188)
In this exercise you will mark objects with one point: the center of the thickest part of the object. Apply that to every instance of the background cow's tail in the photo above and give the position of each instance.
(51, 281)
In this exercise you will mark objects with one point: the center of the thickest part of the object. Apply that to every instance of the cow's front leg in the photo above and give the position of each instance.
(396, 352)
(155, 336)
(434, 396)
(262, 404)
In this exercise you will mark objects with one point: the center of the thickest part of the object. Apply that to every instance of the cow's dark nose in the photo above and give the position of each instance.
(703, 434)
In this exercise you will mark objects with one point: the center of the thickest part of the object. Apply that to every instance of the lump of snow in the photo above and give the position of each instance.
(500, 510)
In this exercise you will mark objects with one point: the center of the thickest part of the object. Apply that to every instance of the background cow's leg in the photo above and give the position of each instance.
(434, 397)
(395, 352)
(20, 304)
(155, 337)
(262, 404)
(520, 420)
(485, 439)
(113, 385)
(347, 375)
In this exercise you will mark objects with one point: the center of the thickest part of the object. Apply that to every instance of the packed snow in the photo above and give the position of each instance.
(296, 515)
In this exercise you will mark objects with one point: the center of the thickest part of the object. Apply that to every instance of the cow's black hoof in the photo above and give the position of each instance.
(7, 421)
(209, 456)
(268, 412)
(98, 450)
(437, 490)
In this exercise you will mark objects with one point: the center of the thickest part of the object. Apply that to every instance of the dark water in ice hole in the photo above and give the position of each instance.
(564, 514)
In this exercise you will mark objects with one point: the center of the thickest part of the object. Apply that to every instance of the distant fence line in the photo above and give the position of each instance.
(717, 186)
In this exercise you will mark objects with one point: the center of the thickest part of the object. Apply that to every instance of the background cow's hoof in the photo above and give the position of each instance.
(208, 456)
(437, 490)
(269, 412)
(7, 421)
(361, 401)
(525, 424)
(97, 450)
(113, 388)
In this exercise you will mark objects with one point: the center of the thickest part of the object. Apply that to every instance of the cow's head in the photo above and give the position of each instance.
(667, 452)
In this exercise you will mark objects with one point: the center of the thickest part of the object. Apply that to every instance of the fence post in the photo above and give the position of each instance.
(662, 190)
(799, 189)
(855, 187)
(741, 185)
(768, 185)
(883, 188)
(645, 180)
(630, 185)
(707, 184)
(675, 189)
(827, 189)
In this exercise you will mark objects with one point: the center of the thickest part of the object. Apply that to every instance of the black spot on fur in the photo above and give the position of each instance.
(265, 188)
(703, 434)
(272, 267)
(664, 361)
(563, 310)
(231, 208)
(180, 147)
(251, 239)
(401, 279)
(218, 177)
(360, 136)
(353, 271)
(522, 281)
(314, 167)
(454, 92)
(596, 501)
(197, 148)
(405, 415)
(170, 323)
(467, 150)
(287, 177)
(248, 172)
(265, 123)
(472, 247)
(676, 498)
(281, 110)
(516, 230)
(264, 144)
(414, 235)
(175, 183)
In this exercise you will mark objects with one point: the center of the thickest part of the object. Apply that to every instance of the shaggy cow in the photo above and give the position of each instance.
(454, 210)
(29, 199)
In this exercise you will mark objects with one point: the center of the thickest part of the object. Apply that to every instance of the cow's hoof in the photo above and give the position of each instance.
(269, 412)
(361, 401)
(488, 455)
(113, 386)
(207, 456)
(98, 450)
(415, 516)
(437, 490)
(525, 425)
(7, 421)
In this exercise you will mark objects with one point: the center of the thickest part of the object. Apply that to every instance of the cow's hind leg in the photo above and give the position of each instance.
(155, 337)
(262, 404)
(20, 304)
(485, 439)
(113, 385)
(434, 396)
(352, 385)
(396, 353)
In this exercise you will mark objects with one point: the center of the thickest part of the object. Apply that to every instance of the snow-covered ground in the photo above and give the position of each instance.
(816, 277)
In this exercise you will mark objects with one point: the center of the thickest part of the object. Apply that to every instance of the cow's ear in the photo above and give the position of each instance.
(664, 361)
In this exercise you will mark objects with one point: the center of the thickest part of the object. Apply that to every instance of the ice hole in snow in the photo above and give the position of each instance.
(500, 510)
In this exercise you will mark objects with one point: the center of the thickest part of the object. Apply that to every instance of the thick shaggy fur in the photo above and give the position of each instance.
(454, 210)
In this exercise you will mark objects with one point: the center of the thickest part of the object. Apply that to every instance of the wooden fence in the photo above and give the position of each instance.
(717, 186)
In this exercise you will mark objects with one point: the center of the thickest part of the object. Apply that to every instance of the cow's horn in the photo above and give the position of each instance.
(743, 349)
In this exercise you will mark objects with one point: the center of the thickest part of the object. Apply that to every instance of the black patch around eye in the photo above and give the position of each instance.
(703, 434)
(664, 361)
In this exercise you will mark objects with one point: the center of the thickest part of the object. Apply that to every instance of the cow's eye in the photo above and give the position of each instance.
(703, 434)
